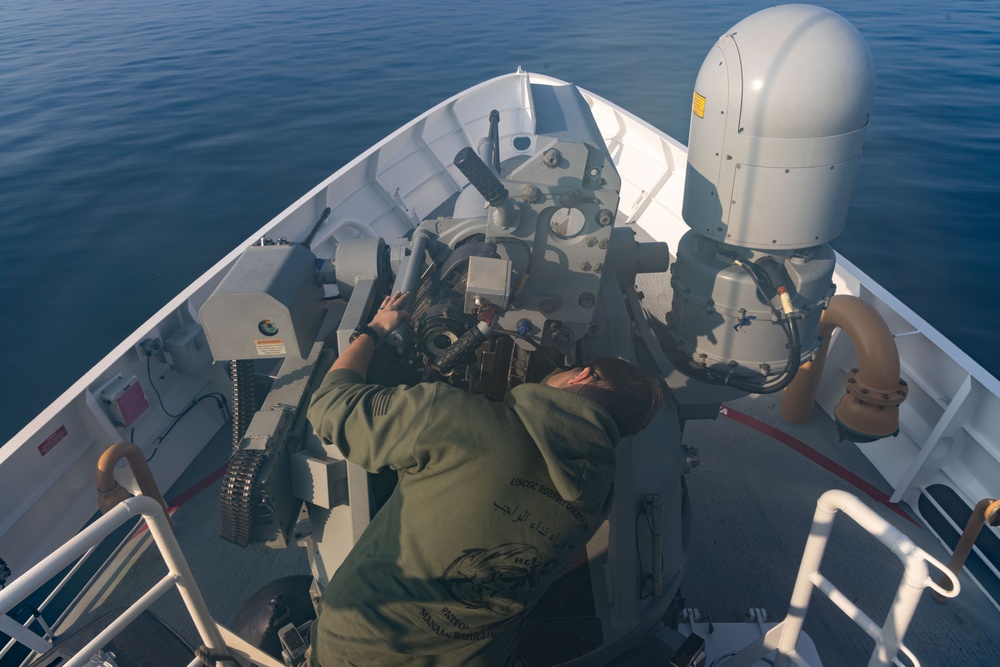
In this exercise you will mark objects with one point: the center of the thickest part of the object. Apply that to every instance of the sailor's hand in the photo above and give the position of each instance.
(390, 314)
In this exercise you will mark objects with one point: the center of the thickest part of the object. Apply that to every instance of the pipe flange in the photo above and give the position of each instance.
(865, 393)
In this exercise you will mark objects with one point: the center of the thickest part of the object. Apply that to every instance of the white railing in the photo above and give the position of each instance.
(36, 615)
(179, 575)
(889, 638)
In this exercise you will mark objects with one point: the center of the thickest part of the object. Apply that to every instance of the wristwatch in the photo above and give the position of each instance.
(365, 329)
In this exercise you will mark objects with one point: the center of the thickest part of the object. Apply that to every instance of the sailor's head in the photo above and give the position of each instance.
(631, 396)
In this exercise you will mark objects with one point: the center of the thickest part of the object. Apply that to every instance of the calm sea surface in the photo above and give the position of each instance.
(139, 142)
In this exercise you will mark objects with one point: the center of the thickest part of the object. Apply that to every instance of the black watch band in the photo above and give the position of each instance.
(365, 329)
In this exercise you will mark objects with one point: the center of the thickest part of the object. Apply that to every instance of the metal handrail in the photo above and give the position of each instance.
(36, 614)
(889, 638)
(37, 611)
(179, 575)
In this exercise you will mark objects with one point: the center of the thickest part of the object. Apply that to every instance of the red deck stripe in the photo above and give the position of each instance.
(199, 486)
(188, 493)
(814, 456)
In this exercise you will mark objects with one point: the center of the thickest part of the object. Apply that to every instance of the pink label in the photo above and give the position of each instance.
(132, 403)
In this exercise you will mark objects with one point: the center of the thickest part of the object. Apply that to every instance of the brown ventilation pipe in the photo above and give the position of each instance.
(987, 511)
(110, 492)
(870, 409)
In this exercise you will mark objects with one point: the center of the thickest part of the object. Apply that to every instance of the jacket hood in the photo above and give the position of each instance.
(575, 436)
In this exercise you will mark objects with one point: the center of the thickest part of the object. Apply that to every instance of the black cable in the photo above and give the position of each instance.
(149, 374)
(516, 241)
(638, 553)
(220, 401)
(794, 346)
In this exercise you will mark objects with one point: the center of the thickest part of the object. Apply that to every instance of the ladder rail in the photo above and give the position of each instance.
(179, 575)
(889, 637)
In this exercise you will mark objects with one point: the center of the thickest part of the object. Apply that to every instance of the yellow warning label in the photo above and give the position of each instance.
(270, 347)
(698, 106)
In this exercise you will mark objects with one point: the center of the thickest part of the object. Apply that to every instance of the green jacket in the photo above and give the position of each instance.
(493, 502)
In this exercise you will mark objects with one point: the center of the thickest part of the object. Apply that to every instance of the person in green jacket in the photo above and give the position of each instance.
(493, 502)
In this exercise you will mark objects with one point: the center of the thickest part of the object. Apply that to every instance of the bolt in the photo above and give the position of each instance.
(586, 300)
(591, 241)
(531, 194)
(599, 267)
(605, 217)
(551, 158)
(585, 266)
(560, 335)
(547, 305)
(603, 245)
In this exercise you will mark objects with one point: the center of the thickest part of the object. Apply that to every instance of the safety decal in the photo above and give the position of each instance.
(53, 440)
(270, 347)
(698, 105)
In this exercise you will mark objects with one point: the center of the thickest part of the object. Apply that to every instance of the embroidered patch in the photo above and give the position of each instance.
(380, 402)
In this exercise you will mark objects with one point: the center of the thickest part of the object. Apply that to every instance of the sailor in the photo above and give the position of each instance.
(493, 502)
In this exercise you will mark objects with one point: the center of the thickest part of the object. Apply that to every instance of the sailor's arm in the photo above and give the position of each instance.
(358, 354)
(373, 426)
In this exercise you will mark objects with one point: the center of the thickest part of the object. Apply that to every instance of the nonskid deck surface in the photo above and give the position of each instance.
(753, 499)
(226, 574)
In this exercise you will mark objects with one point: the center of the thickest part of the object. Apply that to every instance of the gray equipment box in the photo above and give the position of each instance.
(270, 304)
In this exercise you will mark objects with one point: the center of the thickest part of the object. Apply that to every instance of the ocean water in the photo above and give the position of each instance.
(139, 142)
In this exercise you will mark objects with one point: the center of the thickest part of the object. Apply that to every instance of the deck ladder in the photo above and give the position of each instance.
(889, 638)
(214, 637)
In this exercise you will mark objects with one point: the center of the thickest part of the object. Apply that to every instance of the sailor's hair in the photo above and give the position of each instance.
(630, 395)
